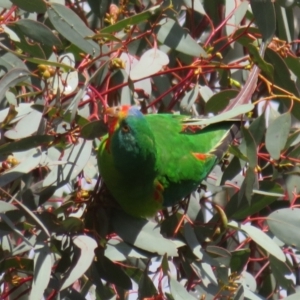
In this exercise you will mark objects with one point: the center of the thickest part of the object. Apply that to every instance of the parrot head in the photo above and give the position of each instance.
(130, 139)
(118, 117)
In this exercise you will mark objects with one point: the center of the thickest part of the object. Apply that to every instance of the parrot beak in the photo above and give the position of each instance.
(112, 112)
(117, 112)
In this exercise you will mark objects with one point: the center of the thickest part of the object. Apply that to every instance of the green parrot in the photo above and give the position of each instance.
(152, 161)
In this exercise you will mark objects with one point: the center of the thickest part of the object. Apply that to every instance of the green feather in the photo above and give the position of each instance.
(152, 161)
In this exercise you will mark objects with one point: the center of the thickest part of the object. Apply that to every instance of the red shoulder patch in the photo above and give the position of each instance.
(158, 192)
(191, 128)
(200, 156)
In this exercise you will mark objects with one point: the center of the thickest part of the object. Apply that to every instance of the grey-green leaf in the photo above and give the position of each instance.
(262, 239)
(170, 33)
(70, 26)
(42, 271)
(277, 134)
(178, 291)
(267, 25)
(87, 246)
(285, 221)
(38, 6)
(5, 206)
(142, 234)
(12, 78)
(38, 32)
(75, 157)
(241, 109)
(120, 251)
(146, 287)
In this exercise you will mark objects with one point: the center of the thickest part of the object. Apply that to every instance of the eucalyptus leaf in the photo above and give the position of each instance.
(142, 234)
(277, 134)
(69, 25)
(178, 291)
(38, 32)
(173, 35)
(267, 26)
(42, 271)
(87, 246)
(38, 6)
(264, 241)
(283, 220)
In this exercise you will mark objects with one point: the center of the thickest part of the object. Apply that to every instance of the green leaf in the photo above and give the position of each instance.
(192, 241)
(42, 270)
(250, 148)
(12, 78)
(26, 143)
(292, 181)
(281, 272)
(294, 64)
(204, 270)
(27, 161)
(71, 27)
(8, 61)
(165, 265)
(241, 109)
(260, 238)
(4, 206)
(72, 225)
(267, 68)
(111, 272)
(38, 6)
(286, 220)
(26, 126)
(269, 192)
(40, 61)
(75, 158)
(282, 78)
(277, 134)
(24, 44)
(239, 259)
(170, 33)
(178, 291)
(37, 31)
(248, 185)
(32, 216)
(234, 167)
(293, 139)
(17, 232)
(236, 13)
(267, 26)
(146, 287)
(93, 130)
(220, 100)
(284, 20)
(120, 251)
(221, 255)
(151, 62)
(257, 128)
(18, 263)
(134, 20)
(142, 234)
(104, 36)
(87, 245)
(294, 153)
(246, 39)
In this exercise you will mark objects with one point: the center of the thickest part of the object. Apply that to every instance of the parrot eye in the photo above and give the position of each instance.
(125, 128)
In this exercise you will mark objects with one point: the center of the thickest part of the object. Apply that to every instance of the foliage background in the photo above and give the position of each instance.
(62, 63)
